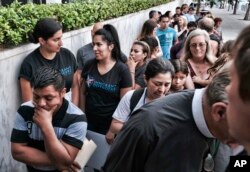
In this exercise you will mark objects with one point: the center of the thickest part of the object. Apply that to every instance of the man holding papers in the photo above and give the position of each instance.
(48, 131)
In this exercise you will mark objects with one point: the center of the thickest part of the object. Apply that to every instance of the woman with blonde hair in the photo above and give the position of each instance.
(199, 57)
(181, 28)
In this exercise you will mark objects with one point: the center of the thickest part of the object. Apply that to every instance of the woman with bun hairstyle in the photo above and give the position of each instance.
(48, 33)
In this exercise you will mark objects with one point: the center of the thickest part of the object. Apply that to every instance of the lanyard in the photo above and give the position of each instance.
(208, 164)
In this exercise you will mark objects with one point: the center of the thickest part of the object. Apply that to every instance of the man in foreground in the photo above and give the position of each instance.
(239, 91)
(48, 131)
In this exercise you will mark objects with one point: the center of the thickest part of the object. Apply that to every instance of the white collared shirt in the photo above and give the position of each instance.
(122, 111)
(198, 113)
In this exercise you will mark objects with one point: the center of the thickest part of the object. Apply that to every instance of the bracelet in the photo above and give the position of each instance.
(132, 72)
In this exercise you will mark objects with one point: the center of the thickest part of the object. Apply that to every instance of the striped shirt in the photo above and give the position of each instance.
(69, 124)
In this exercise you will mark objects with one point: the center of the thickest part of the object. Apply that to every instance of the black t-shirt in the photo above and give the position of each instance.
(139, 75)
(86, 53)
(103, 91)
(64, 62)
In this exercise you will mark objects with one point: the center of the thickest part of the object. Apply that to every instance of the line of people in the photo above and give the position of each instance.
(136, 101)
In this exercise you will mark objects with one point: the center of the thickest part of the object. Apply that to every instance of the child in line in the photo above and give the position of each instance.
(181, 73)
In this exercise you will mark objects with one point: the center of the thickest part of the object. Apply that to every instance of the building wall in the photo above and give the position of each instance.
(10, 60)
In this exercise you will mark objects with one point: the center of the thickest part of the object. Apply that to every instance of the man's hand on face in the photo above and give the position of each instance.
(42, 116)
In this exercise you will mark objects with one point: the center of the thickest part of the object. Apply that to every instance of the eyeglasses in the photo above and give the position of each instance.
(200, 45)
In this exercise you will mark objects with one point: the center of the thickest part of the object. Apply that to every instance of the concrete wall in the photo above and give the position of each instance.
(10, 60)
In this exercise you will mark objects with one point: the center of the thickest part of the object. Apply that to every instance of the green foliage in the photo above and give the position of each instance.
(17, 20)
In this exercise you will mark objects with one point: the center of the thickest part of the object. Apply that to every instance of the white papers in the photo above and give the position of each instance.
(97, 160)
(85, 153)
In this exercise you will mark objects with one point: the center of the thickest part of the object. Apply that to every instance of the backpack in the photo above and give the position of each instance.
(135, 99)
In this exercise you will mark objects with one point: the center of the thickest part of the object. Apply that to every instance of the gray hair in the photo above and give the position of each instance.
(199, 32)
(216, 90)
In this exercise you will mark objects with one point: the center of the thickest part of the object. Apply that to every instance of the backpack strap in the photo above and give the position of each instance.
(135, 98)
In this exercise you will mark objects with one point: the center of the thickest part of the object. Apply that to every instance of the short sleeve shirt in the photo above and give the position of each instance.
(103, 91)
(166, 38)
(64, 62)
(69, 124)
(122, 111)
(84, 54)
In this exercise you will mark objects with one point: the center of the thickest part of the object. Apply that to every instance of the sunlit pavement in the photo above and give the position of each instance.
(232, 24)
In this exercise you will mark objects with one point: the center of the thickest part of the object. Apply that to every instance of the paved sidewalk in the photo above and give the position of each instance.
(232, 24)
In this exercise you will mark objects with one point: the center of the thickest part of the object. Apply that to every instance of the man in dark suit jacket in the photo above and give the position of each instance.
(175, 133)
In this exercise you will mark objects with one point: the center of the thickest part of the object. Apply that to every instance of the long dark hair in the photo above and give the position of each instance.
(147, 28)
(110, 35)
